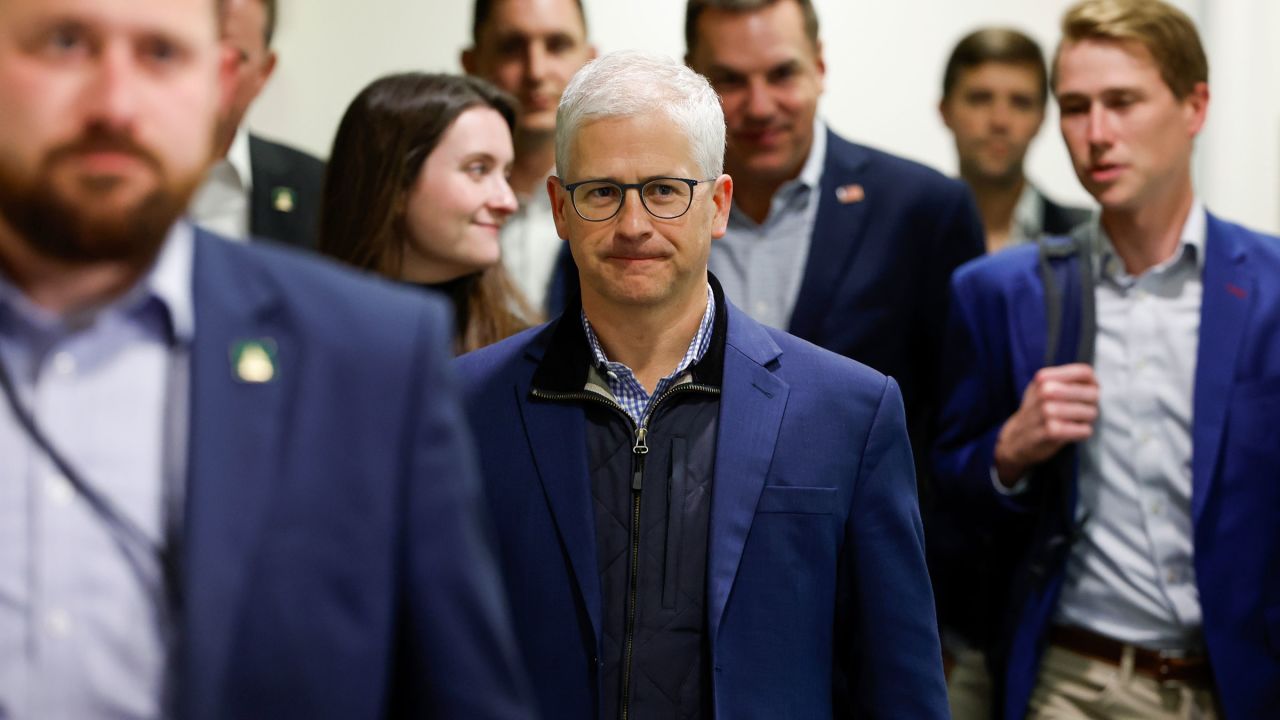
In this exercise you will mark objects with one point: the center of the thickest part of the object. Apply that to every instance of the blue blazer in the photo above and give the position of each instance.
(336, 561)
(875, 285)
(996, 343)
(818, 599)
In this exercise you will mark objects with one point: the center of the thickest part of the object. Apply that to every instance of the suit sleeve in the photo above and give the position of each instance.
(462, 660)
(894, 658)
(977, 398)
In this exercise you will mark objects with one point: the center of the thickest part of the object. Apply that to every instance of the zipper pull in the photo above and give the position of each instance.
(638, 452)
(641, 448)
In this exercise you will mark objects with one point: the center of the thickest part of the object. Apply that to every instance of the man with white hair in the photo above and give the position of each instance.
(698, 516)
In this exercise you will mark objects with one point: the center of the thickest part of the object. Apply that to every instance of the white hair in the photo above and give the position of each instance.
(632, 83)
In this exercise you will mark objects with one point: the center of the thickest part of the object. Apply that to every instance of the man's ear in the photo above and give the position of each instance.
(469, 61)
(559, 206)
(1197, 103)
(722, 196)
(228, 61)
(269, 67)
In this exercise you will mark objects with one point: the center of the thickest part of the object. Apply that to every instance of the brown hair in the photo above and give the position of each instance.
(1164, 30)
(484, 8)
(994, 45)
(693, 10)
(384, 138)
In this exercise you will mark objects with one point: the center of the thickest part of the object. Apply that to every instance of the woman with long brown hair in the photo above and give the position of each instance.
(416, 190)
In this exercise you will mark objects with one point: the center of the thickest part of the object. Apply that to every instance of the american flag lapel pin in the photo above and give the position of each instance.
(850, 194)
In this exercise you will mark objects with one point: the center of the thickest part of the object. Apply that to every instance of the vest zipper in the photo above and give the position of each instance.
(638, 453)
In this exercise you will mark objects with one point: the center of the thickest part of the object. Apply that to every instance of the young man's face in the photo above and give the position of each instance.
(994, 111)
(1129, 137)
(531, 48)
(769, 76)
(107, 122)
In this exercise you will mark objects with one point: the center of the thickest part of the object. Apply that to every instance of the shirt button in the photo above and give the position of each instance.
(58, 489)
(64, 363)
(1172, 576)
(1157, 508)
(58, 622)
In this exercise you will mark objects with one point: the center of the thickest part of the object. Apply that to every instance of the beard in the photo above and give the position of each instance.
(81, 220)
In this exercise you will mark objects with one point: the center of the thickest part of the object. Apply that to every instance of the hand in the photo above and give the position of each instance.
(1059, 407)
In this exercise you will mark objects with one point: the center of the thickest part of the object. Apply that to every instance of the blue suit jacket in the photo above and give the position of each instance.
(875, 285)
(336, 563)
(996, 344)
(817, 594)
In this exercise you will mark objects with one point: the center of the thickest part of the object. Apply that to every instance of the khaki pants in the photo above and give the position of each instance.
(969, 687)
(1072, 686)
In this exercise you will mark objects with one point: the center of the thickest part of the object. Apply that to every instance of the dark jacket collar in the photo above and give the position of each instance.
(567, 359)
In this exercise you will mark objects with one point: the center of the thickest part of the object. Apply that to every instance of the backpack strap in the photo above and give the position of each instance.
(1066, 272)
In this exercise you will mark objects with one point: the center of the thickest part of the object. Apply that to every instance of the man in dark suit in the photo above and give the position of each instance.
(994, 91)
(1120, 386)
(845, 246)
(698, 516)
(235, 481)
(258, 189)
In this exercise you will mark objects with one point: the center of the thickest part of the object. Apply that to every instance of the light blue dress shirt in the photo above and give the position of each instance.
(761, 266)
(1130, 575)
(81, 635)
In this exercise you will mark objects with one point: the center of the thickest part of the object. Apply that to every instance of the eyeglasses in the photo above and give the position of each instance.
(666, 198)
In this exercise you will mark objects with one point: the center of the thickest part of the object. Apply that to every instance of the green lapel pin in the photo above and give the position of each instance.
(254, 361)
(283, 199)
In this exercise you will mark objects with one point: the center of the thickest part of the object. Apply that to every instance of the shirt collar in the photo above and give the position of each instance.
(238, 158)
(811, 173)
(169, 282)
(697, 345)
(1192, 240)
(1028, 215)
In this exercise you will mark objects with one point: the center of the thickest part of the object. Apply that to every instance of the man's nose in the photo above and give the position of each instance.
(634, 220)
(1099, 129)
(111, 91)
(760, 100)
(535, 61)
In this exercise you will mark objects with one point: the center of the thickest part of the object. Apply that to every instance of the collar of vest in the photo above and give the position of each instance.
(567, 360)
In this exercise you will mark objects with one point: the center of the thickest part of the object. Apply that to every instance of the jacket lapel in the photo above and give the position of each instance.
(837, 229)
(1229, 292)
(751, 409)
(556, 432)
(237, 414)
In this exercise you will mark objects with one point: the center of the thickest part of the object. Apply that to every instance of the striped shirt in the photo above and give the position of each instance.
(626, 389)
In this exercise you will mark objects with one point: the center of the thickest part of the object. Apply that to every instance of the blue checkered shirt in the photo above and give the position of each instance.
(628, 391)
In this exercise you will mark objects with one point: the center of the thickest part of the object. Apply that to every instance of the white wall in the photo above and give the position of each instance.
(884, 67)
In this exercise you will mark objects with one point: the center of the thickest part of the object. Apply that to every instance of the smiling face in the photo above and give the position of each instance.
(107, 122)
(635, 259)
(994, 111)
(769, 76)
(530, 49)
(460, 200)
(1129, 137)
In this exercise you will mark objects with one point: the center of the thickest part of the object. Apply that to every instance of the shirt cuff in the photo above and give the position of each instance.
(1017, 489)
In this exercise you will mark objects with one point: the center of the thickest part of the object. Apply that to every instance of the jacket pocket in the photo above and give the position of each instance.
(797, 500)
